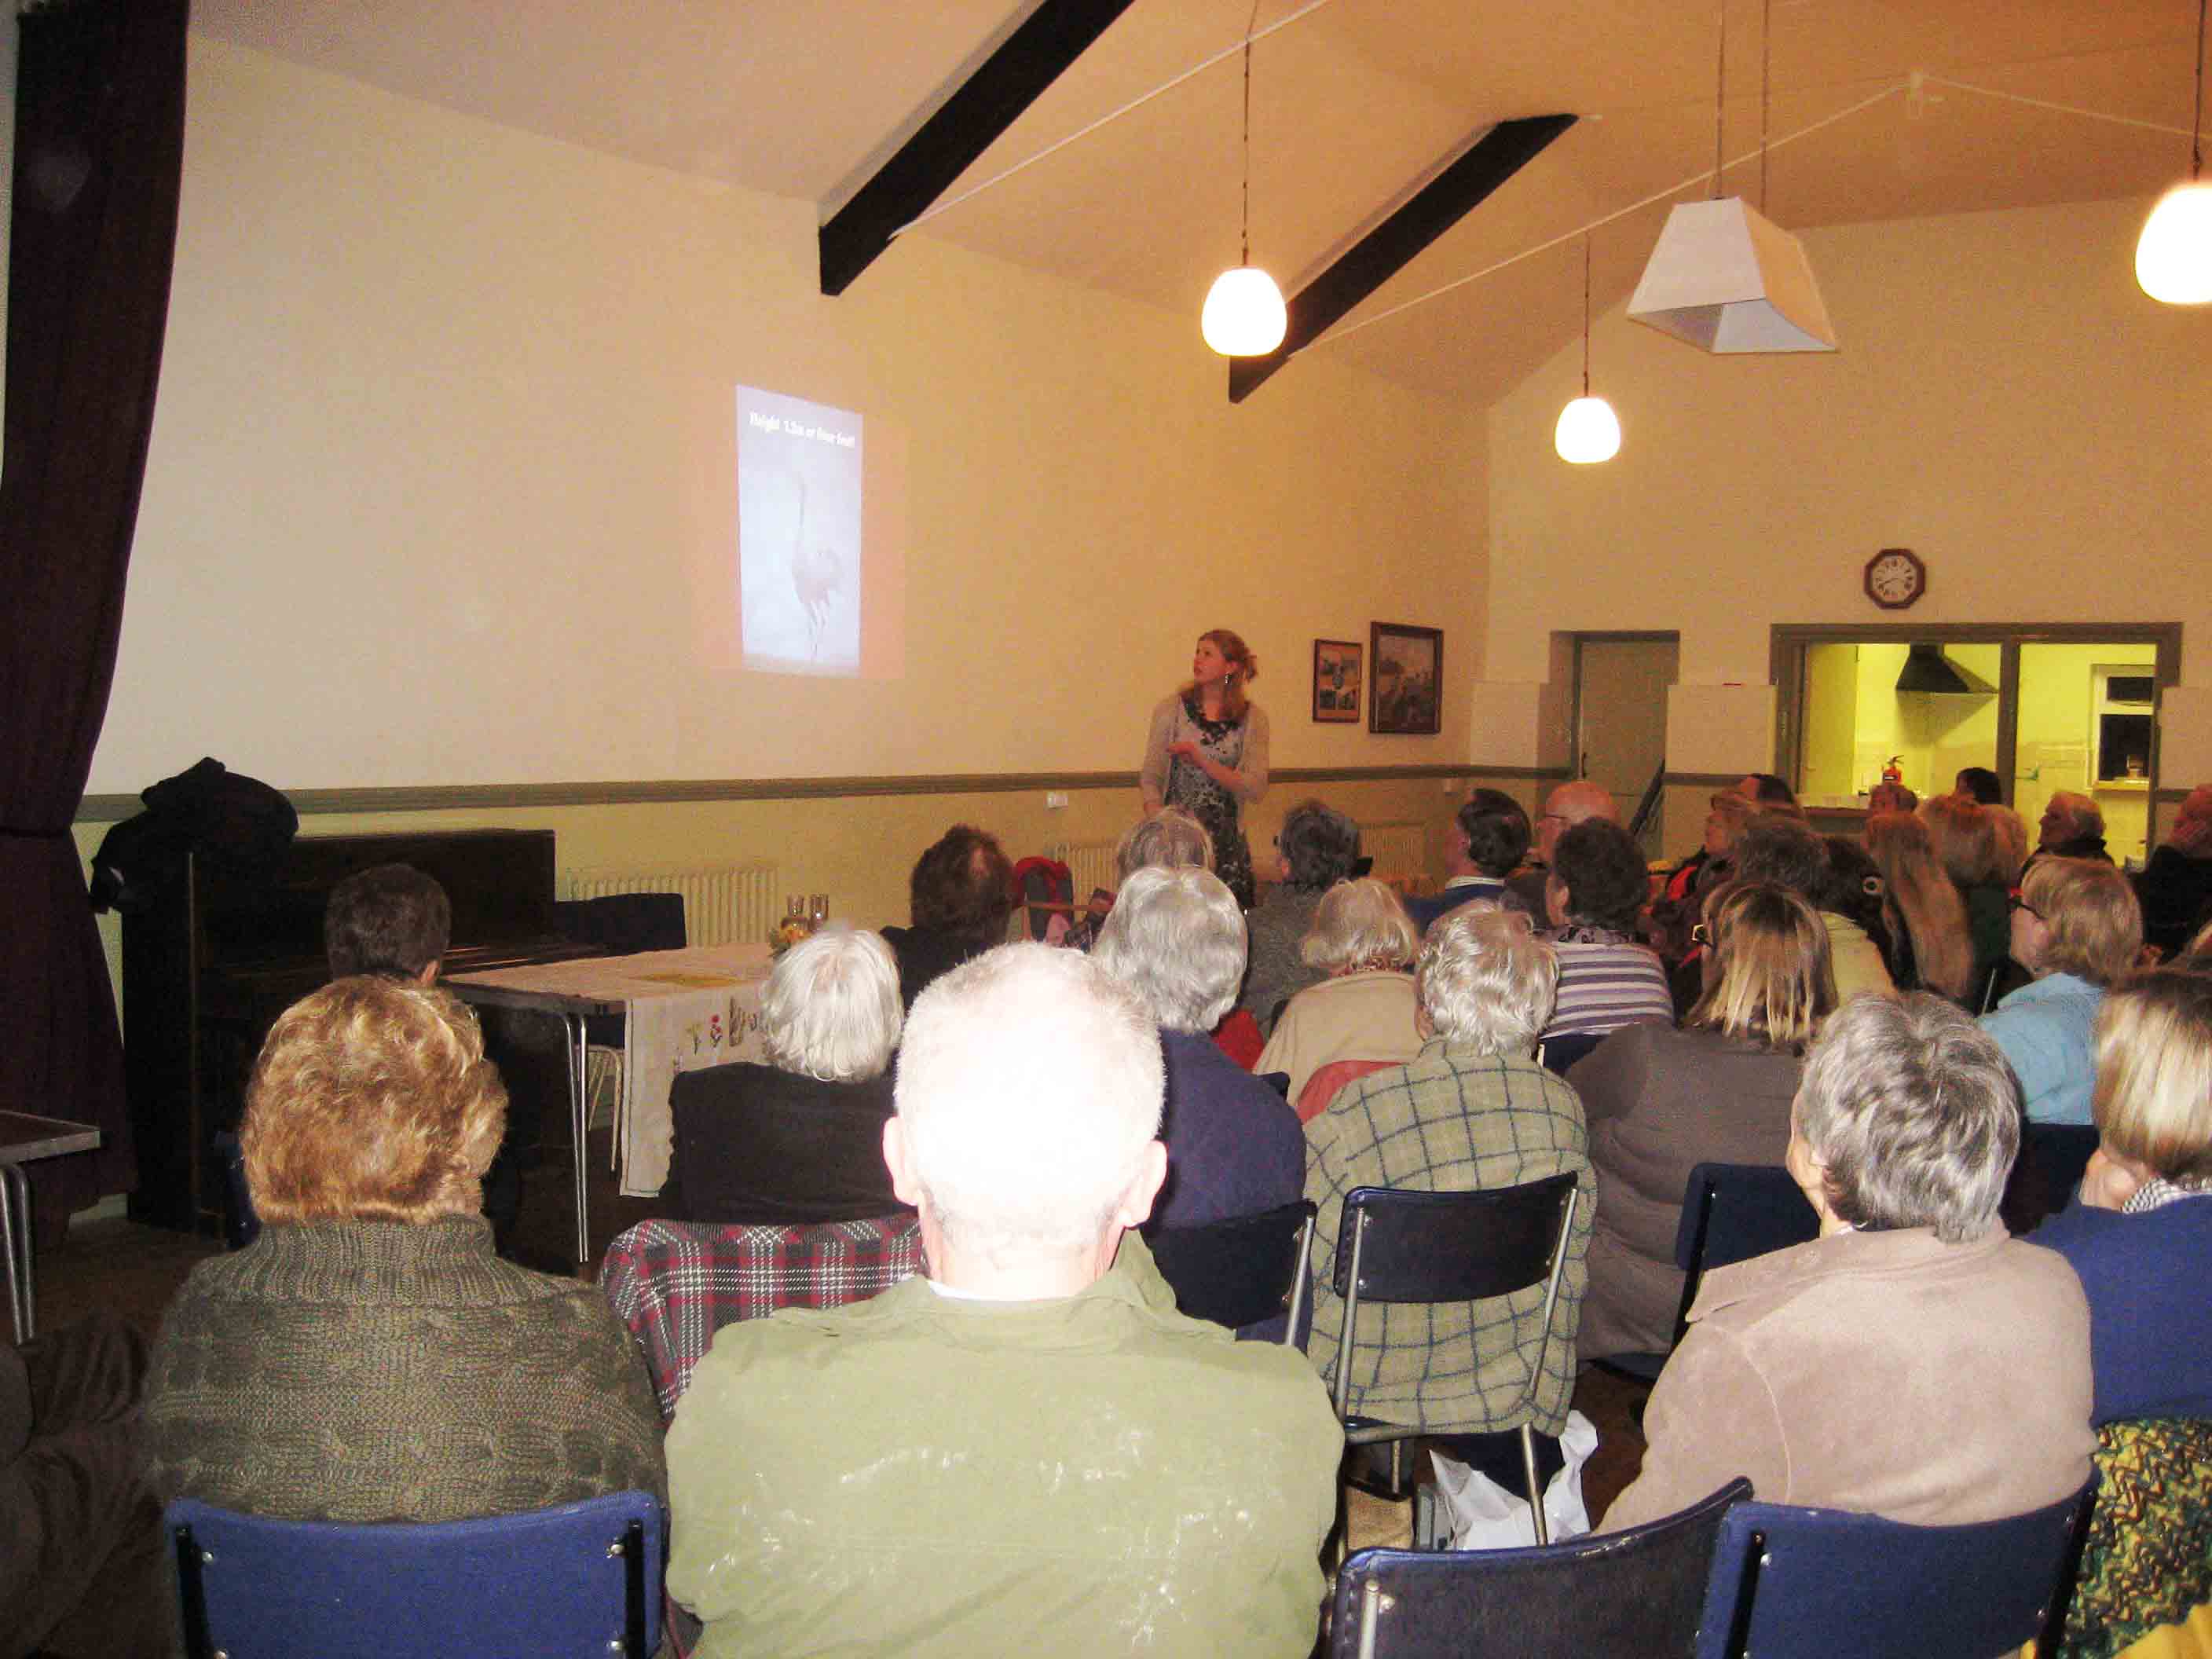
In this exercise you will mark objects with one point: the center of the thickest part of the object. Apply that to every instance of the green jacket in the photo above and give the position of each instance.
(925, 1474)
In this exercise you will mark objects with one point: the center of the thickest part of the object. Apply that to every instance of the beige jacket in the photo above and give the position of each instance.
(1884, 1372)
(1358, 1016)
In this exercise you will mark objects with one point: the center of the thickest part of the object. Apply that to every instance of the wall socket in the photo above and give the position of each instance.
(1055, 799)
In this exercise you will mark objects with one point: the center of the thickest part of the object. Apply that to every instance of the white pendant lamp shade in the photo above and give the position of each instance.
(2173, 256)
(1244, 315)
(1725, 279)
(1588, 432)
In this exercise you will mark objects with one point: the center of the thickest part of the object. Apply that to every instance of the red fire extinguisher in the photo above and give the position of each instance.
(1892, 773)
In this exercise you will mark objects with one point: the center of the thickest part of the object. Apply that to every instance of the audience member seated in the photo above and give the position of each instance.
(2175, 888)
(958, 899)
(1978, 784)
(1490, 836)
(1607, 978)
(389, 919)
(1660, 1102)
(1472, 1110)
(1789, 855)
(1577, 801)
(1682, 903)
(1853, 890)
(1914, 1361)
(1170, 839)
(1929, 949)
(1766, 789)
(2011, 843)
(1363, 944)
(1031, 1451)
(800, 1138)
(1965, 841)
(2072, 827)
(1317, 846)
(2077, 928)
(2139, 1234)
(367, 1357)
(1887, 797)
(84, 1569)
(1175, 940)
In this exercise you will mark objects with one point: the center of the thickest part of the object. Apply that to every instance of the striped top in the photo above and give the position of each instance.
(1606, 981)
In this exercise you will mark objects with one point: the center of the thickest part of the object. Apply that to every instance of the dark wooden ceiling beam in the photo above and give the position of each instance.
(963, 126)
(1434, 208)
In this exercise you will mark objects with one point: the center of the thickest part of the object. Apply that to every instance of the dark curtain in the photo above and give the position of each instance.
(100, 131)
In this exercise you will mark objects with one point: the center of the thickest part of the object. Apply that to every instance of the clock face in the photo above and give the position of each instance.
(1894, 578)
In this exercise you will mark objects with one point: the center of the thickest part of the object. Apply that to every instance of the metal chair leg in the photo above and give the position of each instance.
(16, 1223)
(1536, 1493)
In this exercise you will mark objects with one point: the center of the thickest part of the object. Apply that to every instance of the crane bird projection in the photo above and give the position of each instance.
(816, 577)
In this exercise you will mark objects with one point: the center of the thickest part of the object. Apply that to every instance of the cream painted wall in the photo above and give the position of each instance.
(2006, 403)
(440, 482)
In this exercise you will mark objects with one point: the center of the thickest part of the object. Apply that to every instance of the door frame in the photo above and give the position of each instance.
(1605, 636)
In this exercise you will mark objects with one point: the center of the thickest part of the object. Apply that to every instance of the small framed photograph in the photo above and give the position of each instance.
(1339, 675)
(1408, 694)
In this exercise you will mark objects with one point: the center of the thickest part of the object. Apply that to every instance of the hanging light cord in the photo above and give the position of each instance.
(1252, 23)
(1720, 103)
(1586, 291)
(2197, 121)
(1766, 89)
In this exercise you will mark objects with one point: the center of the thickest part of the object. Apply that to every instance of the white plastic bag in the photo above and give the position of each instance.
(1479, 1514)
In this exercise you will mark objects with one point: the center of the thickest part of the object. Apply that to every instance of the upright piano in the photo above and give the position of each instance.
(217, 955)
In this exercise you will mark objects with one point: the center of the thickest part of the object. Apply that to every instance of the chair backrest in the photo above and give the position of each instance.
(1397, 1245)
(1321, 1087)
(2147, 1559)
(624, 924)
(1638, 1591)
(674, 1283)
(1239, 1272)
(1731, 1212)
(1556, 1054)
(1787, 1580)
(581, 1579)
(1044, 889)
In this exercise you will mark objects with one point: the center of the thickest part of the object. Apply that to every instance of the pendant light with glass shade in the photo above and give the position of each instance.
(1244, 315)
(2173, 255)
(1588, 431)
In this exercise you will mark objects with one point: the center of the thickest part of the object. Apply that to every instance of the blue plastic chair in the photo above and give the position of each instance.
(580, 1579)
(1789, 1582)
(1637, 1591)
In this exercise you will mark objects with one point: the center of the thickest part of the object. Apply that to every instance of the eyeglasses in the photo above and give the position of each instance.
(2019, 903)
(1701, 934)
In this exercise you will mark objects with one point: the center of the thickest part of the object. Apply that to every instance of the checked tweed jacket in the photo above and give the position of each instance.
(1451, 1120)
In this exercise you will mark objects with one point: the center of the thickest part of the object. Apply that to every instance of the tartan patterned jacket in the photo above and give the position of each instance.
(1452, 1121)
(676, 1283)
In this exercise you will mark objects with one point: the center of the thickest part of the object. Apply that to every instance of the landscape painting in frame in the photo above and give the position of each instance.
(1338, 676)
(1408, 694)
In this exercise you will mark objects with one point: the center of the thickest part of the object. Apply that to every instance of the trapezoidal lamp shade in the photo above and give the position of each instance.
(1726, 279)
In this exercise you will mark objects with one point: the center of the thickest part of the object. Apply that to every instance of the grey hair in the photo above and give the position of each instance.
(1320, 844)
(1360, 924)
(1169, 838)
(831, 1008)
(1484, 979)
(1028, 1087)
(1913, 1111)
(1176, 939)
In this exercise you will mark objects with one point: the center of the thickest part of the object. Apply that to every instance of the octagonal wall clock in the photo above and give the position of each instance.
(1895, 578)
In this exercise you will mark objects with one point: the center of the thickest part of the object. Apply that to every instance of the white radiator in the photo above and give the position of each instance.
(1398, 849)
(1089, 864)
(723, 905)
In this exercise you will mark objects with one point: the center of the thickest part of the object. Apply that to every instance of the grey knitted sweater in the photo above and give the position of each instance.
(375, 1371)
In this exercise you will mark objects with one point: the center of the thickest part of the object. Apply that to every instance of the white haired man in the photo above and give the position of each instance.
(1577, 801)
(1176, 939)
(1029, 1450)
(1914, 1361)
(1472, 1110)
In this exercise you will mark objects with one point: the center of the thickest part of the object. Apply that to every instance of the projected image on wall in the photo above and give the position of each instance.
(800, 565)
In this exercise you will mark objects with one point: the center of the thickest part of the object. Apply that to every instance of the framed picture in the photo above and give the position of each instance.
(1408, 694)
(1339, 678)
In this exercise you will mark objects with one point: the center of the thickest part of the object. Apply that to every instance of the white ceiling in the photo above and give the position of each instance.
(1352, 104)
